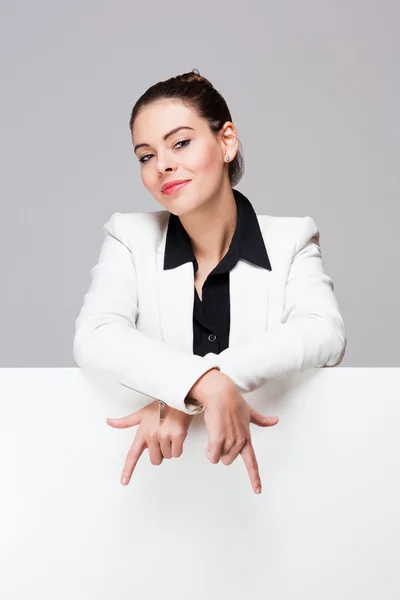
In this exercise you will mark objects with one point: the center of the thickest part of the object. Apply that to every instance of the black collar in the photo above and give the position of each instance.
(247, 241)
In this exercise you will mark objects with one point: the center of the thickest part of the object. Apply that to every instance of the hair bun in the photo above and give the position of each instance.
(194, 77)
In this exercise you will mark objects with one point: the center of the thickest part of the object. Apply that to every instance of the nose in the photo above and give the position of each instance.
(167, 169)
(165, 164)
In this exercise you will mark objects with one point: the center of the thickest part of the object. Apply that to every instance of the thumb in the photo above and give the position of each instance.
(262, 420)
(123, 422)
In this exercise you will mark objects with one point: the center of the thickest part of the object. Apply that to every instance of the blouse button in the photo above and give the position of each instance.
(212, 337)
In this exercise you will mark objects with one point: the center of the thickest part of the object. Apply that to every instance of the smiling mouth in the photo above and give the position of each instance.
(175, 188)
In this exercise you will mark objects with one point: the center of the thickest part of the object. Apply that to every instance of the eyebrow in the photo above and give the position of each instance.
(166, 136)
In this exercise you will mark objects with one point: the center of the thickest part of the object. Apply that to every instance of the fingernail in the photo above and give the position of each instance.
(258, 490)
(124, 480)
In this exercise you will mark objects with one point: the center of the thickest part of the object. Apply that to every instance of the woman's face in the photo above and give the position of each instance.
(195, 154)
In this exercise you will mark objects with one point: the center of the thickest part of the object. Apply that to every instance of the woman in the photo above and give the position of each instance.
(194, 305)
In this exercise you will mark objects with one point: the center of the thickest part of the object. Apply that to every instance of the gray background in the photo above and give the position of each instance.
(313, 88)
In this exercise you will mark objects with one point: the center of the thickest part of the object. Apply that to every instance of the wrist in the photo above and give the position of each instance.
(209, 383)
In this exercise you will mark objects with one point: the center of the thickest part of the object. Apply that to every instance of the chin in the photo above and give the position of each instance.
(180, 205)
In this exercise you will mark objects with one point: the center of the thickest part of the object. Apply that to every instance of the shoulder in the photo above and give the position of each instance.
(295, 232)
(134, 225)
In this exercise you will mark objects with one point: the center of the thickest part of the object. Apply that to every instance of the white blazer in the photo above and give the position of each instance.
(136, 322)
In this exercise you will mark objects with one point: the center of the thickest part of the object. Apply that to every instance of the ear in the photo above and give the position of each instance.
(229, 141)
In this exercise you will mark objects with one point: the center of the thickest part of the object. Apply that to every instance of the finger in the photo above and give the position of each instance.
(132, 458)
(177, 445)
(227, 446)
(128, 421)
(155, 453)
(213, 450)
(165, 445)
(249, 458)
(262, 420)
(232, 454)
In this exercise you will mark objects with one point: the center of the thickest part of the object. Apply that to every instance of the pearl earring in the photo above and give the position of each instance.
(227, 158)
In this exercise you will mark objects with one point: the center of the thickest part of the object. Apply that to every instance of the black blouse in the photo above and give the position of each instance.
(211, 315)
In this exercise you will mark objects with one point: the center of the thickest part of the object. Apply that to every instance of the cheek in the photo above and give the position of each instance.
(148, 178)
(208, 159)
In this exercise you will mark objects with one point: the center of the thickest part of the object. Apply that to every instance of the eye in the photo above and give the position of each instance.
(184, 142)
(141, 160)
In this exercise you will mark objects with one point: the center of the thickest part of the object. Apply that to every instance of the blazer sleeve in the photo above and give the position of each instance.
(106, 337)
(312, 332)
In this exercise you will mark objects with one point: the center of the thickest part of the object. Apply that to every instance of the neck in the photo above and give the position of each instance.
(212, 225)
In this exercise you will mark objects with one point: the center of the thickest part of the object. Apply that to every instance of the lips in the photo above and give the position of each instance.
(170, 187)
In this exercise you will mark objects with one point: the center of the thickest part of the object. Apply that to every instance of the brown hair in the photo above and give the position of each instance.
(195, 91)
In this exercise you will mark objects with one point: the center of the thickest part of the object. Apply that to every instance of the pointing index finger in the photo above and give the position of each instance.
(132, 458)
(249, 458)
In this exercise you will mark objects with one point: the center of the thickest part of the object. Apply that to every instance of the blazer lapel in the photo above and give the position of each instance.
(249, 298)
(249, 295)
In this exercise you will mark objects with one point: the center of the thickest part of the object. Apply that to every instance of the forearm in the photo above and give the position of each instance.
(210, 382)
(303, 343)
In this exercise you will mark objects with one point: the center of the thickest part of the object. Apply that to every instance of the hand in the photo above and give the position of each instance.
(227, 417)
(163, 440)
